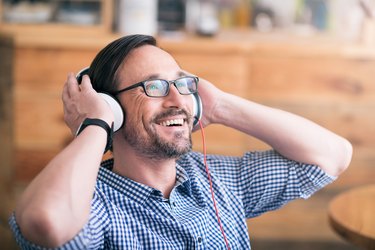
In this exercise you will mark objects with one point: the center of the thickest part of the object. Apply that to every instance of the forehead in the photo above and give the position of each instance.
(147, 61)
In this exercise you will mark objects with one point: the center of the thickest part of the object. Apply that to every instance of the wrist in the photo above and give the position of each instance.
(106, 117)
(221, 109)
(100, 123)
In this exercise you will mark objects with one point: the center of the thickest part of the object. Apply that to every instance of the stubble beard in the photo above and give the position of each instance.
(156, 147)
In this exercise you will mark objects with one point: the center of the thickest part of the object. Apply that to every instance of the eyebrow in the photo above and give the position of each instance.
(157, 76)
(181, 73)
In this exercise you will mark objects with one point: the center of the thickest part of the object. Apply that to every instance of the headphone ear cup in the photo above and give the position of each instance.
(197, 108)
(116, 110)
(112, 102)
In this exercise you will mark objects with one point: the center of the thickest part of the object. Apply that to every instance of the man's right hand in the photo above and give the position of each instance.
(82, 101)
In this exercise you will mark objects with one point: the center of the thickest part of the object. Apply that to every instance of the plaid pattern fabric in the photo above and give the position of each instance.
(129, 215)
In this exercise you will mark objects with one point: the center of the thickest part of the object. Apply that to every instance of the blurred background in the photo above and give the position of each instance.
(205, 17)
(315, 58)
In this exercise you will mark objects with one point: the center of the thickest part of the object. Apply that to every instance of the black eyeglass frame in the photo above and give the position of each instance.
(142, 84)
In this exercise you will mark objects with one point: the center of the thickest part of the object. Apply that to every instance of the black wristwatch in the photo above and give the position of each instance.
(100, 123)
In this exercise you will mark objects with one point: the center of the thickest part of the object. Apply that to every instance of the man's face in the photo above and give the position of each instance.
(158, 128)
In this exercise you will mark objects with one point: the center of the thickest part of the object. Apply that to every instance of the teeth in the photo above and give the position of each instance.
(172, 122)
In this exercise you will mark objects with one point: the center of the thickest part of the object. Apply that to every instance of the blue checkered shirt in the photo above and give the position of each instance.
(129, 215)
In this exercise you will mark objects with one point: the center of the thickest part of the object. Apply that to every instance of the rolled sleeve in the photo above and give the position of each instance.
(270, 180)
(81, 241)
(91, 235)
(313, 178)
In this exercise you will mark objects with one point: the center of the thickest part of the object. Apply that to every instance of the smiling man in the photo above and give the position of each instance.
(155, 192)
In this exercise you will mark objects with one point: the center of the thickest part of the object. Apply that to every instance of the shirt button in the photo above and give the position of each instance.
(173, 203)
(200, 239)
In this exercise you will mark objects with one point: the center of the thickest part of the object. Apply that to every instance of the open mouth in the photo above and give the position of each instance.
(172, 123)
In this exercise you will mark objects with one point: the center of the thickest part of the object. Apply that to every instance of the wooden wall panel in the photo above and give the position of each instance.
(221, 140)
(39, 70)
(337, 93)
(39, 122)
(229, 73)
(313, 80)
(39, 78)
(6, 129)
(39, 128)
(354, 122)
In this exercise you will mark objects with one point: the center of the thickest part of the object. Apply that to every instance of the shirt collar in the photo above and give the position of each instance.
(182, 180)
(187, 182)
(190, 181)
(129, 188)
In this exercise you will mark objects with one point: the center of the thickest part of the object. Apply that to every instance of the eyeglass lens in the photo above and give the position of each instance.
(185, 86)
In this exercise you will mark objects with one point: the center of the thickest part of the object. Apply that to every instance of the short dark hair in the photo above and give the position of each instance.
(104, 67)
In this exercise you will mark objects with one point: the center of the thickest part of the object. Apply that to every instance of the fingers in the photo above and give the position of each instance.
(86, 83)
(70, 95)
(72, 87)
(65, 93)
(72, 84)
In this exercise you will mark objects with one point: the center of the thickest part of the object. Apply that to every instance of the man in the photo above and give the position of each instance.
(155, 193)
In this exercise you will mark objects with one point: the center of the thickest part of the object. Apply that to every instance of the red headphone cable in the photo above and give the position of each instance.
(211, 188)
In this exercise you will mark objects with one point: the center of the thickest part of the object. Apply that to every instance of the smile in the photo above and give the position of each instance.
(173, 122)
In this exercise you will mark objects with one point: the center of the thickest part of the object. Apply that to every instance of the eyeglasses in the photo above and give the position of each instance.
(158, 88)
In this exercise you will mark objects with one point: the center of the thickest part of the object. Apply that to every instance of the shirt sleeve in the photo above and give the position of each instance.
(90, 236)
(266, 180)
(269, 180)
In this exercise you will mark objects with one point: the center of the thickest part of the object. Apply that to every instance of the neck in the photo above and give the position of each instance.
(159, 174)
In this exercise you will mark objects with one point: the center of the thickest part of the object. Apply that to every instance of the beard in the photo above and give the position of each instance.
(152, 145)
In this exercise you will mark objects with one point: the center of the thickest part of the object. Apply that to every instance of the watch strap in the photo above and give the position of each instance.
(98, 122)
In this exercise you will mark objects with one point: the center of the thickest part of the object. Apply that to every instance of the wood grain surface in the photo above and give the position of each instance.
(352, 215)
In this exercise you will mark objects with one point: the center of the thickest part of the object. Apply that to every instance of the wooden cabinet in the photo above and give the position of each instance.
(336, 91)
(325, 84)
(39, 76)
(40, 131)
(228, 70)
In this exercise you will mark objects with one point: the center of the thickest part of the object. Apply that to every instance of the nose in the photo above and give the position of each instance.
(174, 99)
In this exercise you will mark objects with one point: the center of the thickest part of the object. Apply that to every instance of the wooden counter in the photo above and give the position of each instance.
(320, 78)
(352, 216)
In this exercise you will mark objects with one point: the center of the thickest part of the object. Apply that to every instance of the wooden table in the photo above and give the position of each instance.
(352, 215)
